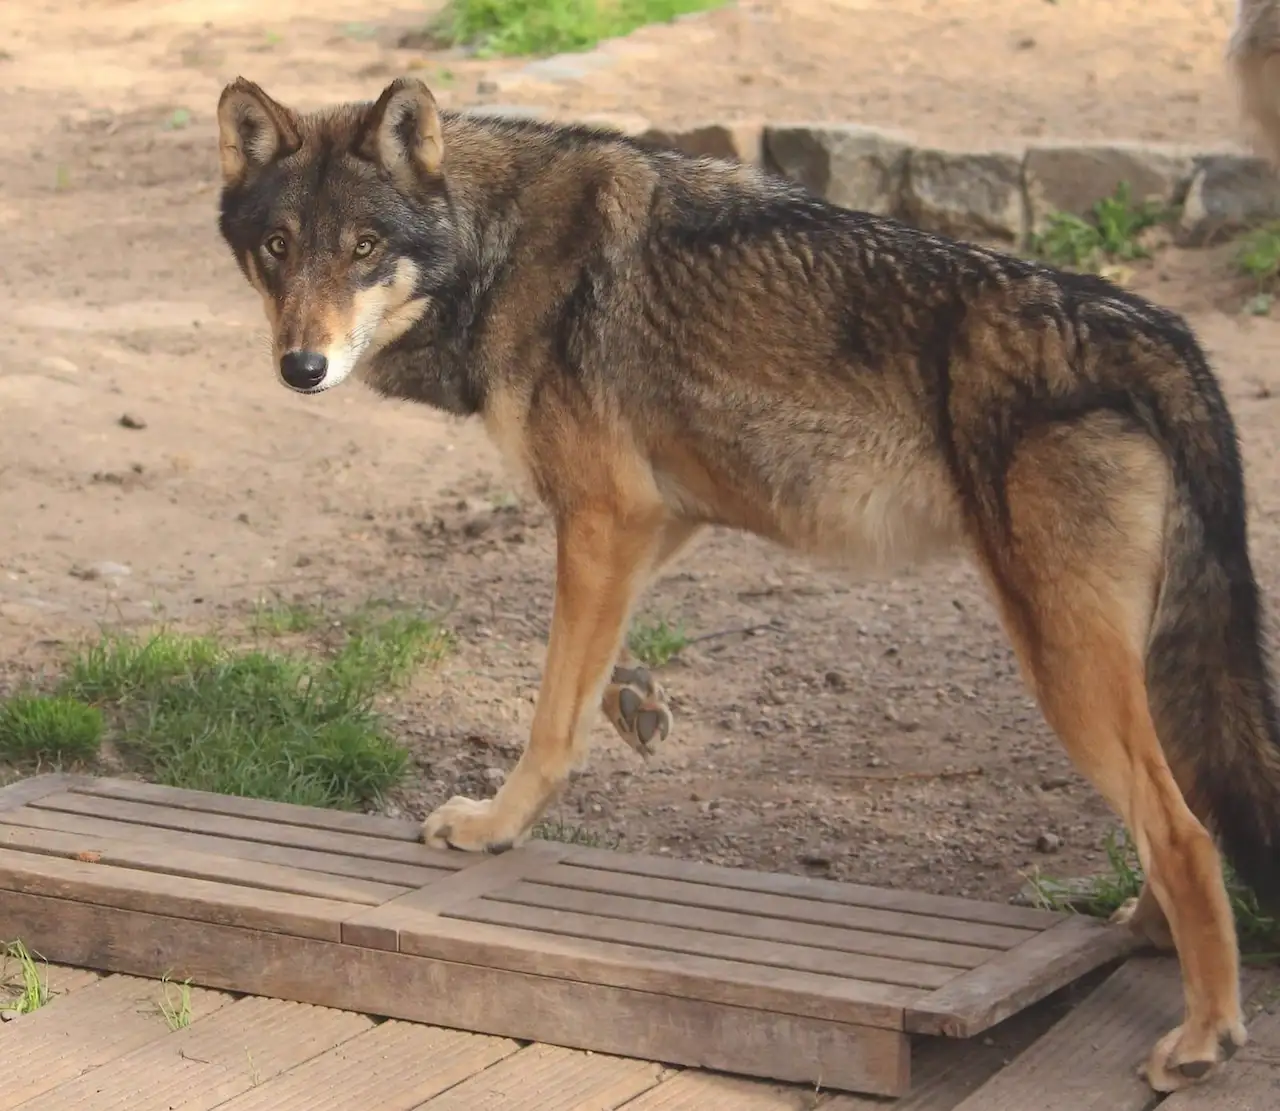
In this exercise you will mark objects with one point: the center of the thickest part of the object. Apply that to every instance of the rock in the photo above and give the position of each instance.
(130, 421)
(1055, 782)
(496, 776)
(975, 195)
(1073, 177)
(104, 569)
(738, 142)
(1048, 843)
(635, 126)
(857, 167)
(1228, 192)
(486, 86)
(567, 67)
(9, 1015)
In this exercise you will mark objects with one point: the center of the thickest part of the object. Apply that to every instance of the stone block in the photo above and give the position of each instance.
(739, 142)
(1073, 177)
(1228, 193)
(970, 195)
(858, 167)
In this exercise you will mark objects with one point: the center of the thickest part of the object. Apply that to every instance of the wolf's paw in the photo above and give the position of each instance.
(472, 825)
(1144, 917)
(637, 707)
(1192, 1052)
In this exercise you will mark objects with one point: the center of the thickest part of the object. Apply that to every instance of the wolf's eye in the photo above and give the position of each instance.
(277, 246)
(364, 246)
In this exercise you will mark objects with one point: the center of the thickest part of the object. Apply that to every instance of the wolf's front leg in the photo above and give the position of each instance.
(602, 562)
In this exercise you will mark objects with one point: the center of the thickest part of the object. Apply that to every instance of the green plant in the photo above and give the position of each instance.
(49, 728)
(497, 27)
(1102, 895)
(1111, 234)
(176, 1012)
(655, 642)
(1258, 256)
(32, 990)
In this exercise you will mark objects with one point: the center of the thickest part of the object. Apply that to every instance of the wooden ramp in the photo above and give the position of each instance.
(778, 977)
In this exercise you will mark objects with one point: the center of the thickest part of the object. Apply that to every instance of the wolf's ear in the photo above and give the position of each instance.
(402, 130)
(253, 130)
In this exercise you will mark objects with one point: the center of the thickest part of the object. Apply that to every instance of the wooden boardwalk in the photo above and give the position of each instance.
(339, 963)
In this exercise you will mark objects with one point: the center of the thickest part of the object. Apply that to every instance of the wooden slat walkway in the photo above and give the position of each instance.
(777, 977)
(340, 963)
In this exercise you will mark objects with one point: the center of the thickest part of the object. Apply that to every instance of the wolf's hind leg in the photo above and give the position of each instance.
(1075, 575)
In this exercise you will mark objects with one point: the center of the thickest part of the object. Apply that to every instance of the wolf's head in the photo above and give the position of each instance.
(339, 219)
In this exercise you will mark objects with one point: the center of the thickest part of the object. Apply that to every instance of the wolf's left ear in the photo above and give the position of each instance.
(253, 130)
(402, 131)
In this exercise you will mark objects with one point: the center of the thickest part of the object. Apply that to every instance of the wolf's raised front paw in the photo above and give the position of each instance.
(637, 708)
(472, 825)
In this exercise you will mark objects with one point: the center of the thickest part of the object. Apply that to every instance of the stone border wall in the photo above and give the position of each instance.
(1001, 194)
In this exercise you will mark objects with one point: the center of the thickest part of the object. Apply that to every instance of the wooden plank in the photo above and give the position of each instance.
(817, 890)
(335, 864)
(738, 924)
(945, 1071)
(551, 1078)
(705, 1091)
(592, 1016)
(148, 817)
(90, 1028)
(672, 974)
(211, 1061)
(380, 928)
(236, 806)
(393, 1067)
(61, 979)
(1250, 1082)
(1089, 1061)
(23, 791)
(788, 907)
(703, 943)
(170, 860)
(982, 997)
(200, 900)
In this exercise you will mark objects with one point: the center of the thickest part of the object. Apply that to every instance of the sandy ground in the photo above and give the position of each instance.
(876, 731)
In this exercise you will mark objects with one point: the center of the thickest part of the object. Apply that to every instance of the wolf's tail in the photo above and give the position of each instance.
(1208, 681)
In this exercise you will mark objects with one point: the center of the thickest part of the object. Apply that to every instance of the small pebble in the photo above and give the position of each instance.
(1048, 843)
(130, 421)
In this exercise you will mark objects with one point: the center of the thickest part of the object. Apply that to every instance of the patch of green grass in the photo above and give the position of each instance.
(176, 1011)
(32, 990)
(177, 119)
(296, 727)
(51, 729)
(1112, 233)
(1103, 894)
(508, 27)
(654, 643)
(1258, 257)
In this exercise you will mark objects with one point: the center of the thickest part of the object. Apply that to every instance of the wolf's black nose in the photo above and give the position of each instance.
(303, 370)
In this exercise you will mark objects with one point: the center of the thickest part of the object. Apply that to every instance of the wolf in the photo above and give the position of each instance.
(659, 343)
(1253, 55)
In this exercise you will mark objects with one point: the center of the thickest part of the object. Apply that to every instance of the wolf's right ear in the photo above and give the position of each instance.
(253, 130)
(402, 130)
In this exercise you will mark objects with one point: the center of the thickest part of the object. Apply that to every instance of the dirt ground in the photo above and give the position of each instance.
(873, 731)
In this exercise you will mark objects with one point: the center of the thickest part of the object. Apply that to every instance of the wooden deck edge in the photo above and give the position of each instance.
(984, 996)
(626, 1022)
(22, 791)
